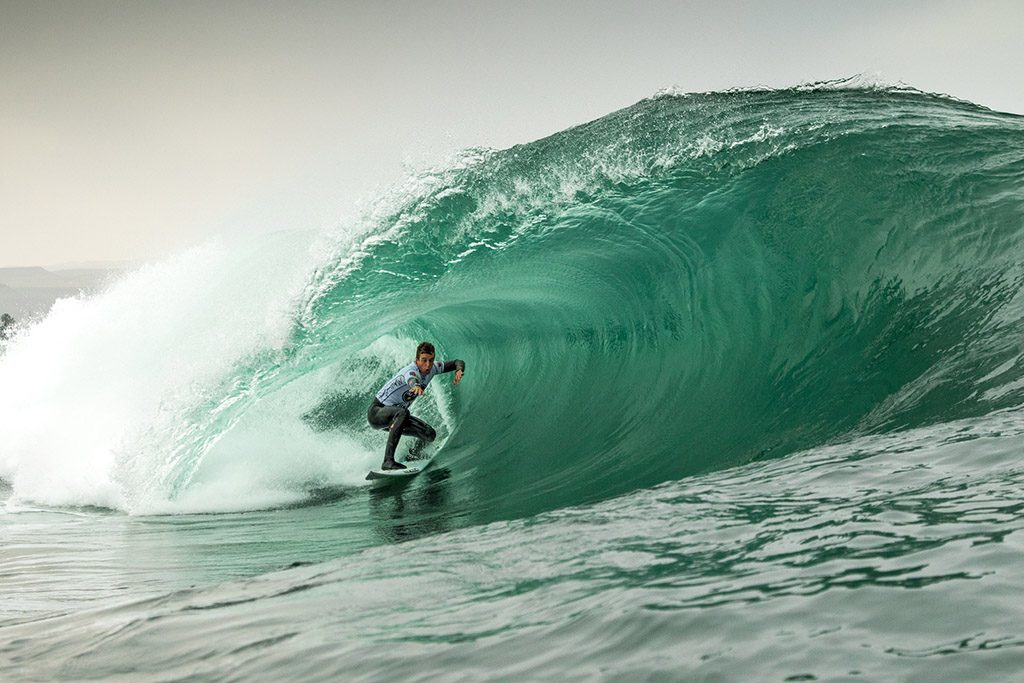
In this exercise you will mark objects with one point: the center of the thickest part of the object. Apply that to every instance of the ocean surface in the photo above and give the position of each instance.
(743, 401)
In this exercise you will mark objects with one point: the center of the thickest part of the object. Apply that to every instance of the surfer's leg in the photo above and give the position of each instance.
(380, 416)
(398, 422)
(394, 419)
(423, 432)
(420, 429)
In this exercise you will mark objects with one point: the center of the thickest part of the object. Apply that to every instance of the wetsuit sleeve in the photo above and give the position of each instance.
(450, 365)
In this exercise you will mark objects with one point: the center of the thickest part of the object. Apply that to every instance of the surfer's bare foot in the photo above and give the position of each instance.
(392, 465)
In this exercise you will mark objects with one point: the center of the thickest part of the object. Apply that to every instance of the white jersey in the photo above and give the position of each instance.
(397, 391)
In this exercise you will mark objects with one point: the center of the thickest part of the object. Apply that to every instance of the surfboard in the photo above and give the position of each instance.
(409, 472)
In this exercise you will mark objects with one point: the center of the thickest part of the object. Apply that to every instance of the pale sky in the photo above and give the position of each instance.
(129, 130)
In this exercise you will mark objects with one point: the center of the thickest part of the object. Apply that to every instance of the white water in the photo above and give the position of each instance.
(92, 395)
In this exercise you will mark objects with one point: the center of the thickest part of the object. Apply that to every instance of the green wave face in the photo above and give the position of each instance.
(685, 285)
(679, 288)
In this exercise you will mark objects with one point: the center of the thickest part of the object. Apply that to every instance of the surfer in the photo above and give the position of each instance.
(390, 407)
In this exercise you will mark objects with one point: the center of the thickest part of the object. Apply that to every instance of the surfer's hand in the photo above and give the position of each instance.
(418, 390)
(458, 377)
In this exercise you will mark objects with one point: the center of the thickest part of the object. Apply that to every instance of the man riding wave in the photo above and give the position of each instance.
(390, 407)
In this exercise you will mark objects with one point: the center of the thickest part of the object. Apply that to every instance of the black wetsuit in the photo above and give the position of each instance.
(390, 408)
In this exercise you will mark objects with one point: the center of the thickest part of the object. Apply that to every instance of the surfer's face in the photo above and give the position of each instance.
(424, 362)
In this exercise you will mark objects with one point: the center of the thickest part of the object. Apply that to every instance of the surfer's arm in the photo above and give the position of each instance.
(450, 365)
(457, 365)
(414, 384)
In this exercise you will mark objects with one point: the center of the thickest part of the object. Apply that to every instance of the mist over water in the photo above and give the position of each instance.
(796, 314)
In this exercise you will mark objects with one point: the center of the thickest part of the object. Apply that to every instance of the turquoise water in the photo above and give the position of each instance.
(742, 402)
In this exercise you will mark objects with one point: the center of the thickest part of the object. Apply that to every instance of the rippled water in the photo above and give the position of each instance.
(892, 557)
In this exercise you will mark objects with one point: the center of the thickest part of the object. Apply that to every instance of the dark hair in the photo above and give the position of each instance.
(424, 347)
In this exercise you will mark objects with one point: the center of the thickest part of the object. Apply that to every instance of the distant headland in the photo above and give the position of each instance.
(29, 292)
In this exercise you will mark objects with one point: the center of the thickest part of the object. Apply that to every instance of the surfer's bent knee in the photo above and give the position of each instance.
(401, 415)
